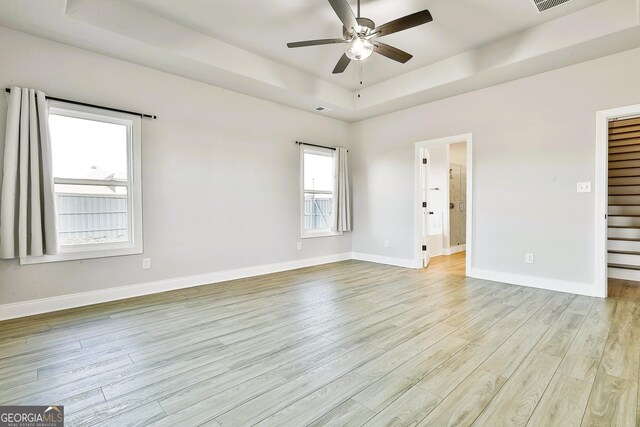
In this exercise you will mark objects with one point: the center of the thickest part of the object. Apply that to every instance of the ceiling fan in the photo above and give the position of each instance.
(361, 35)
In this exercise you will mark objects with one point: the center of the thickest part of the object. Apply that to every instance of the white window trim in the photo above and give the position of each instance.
(134, 188)
(305, 234)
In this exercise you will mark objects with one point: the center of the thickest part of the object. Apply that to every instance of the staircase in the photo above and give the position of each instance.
(624, 200)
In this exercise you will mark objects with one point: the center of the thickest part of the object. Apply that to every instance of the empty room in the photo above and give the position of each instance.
(319, 213)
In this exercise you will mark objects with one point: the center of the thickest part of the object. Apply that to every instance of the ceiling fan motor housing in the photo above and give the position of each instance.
(366, 26)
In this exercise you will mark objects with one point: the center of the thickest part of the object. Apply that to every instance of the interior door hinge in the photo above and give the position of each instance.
(424, 161)
(424, 204)
(424, 247)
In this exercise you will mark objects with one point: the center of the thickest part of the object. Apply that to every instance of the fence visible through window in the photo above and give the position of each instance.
(317, 212)
(88, 218)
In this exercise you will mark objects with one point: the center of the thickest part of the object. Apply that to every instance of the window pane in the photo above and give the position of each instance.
(318, 172)
(317, 211)
(88, 149)
(91, 214)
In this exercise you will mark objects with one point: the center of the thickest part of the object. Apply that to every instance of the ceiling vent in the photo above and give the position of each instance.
(322, 109)
(544, 5)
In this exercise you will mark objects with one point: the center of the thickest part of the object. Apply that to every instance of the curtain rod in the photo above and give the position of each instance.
(315, 145)
(84, 104)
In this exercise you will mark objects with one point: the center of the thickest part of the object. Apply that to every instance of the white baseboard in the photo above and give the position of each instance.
(587, 289)
(380, 259)
(454, 249)
(63, 302)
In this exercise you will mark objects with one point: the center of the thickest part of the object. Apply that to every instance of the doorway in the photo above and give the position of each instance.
(443, 216)
(616, 192)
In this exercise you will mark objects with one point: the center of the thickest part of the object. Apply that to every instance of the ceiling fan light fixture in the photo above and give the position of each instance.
(361, 35)
(359, 49)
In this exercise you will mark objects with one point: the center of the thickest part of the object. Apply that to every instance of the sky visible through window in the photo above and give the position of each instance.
(318, 172)
(87, 148)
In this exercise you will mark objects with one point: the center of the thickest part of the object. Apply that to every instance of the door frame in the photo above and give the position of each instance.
(602, 191)
(418, 212)
(423, 195)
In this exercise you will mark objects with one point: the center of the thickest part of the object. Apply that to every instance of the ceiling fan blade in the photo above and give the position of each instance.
(316, 42)
(344, 12)
(342, 64)
(391, 52)
(404, 23)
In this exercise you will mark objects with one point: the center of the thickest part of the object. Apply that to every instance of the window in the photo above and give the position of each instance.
(317, 192)
(97, 182)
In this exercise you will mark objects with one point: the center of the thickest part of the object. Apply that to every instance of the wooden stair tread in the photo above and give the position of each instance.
(623, 215)
(618, 123)
(624, 266)
(627, 194)
(626, 239)
(624, 226)
(614, 251)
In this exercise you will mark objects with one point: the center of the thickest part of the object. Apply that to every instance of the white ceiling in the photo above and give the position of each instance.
(265, 27)
(241, 45)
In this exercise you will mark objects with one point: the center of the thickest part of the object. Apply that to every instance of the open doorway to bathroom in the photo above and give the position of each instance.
(455, 237)
(443, 184)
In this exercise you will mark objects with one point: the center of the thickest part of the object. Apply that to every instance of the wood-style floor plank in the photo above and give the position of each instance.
(613, 402)
(518, 398)
(555, 409)
(583, 356)
(343, 344)
(463, 405)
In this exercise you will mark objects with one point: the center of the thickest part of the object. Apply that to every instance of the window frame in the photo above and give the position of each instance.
(306, 234)
(133, 184)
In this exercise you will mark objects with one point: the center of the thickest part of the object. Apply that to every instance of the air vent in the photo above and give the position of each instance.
(322, 109)
(544, 5)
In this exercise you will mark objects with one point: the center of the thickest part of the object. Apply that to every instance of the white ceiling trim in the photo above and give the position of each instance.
(119, 29)
(605, 28)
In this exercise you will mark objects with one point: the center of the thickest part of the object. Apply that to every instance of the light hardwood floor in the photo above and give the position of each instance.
(350, 343)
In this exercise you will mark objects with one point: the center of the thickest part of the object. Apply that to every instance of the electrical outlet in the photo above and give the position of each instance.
(299, 246)
(146, 263)
(528, 258)
(386, 243)
(584, 187)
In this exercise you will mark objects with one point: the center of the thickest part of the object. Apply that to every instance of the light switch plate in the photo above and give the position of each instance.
(146, 263)
(584, 187)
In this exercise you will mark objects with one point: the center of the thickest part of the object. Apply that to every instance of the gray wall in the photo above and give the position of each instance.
(211, 160)
(215, 156)
(533, 140)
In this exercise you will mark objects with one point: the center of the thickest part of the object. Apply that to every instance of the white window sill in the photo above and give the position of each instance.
(316, 234)
(79, 254)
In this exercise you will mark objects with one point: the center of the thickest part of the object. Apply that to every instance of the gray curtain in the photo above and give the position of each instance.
(28, 224)
(341, 202)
